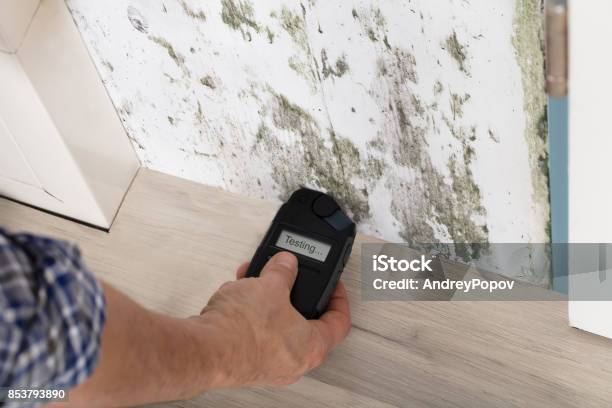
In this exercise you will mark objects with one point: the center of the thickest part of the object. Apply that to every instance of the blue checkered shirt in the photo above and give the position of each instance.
(51, 314)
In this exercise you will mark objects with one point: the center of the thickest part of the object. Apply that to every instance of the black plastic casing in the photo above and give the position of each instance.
(314, 215)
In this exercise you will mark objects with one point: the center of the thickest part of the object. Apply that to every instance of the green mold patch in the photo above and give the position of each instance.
(294, 25)
(303, 63)
(337, 70)
(316, 156)
(430, 203)
(373, 24)
(208, 82)
(399, 66)
(197, 15)
(528, 44)
(456, 104)
(374, 168)
(240, 16)
(263, 133)
(270, 35)
(457, 51)
(172, 53)
(305, 70)
(177, 57)
(405, 64)
(199, 113)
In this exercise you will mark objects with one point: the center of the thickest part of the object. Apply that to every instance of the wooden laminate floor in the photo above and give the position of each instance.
(174, 242)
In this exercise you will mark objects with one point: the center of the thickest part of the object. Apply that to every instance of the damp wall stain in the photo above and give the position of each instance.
(528, 42)
(399, 109)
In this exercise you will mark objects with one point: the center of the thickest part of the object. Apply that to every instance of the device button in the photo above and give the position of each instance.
(339, 221)
(324, 206)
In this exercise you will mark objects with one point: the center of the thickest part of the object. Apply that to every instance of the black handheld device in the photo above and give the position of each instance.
(312, 226)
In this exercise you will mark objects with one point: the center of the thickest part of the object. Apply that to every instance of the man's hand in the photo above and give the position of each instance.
(249, 333)
(265, 341)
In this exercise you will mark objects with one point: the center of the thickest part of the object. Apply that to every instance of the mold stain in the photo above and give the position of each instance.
(438, 88)
(108, 65)
(373, 24)
(199, 113)
(403, 65)
(457, 51)
(316, 156)
(172, 53)
(270, 34)
(303, 62)
(208, 82)
(337, 70)
(305, 70)
(294, 25)
(240, 16)
(528, 44)
(427, 201)
(197, 15)
(137, 20)
(493, 136)
(431, 205)
(456, 104)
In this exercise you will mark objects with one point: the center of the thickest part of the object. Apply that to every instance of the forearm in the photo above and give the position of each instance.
(147, 357)
(248, 334)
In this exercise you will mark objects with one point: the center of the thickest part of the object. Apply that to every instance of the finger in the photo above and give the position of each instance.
(242, 270)
(334, 325)
(283, 267)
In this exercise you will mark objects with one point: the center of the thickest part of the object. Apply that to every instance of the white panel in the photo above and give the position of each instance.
(59, 67)
(12, 162)
(15, 17)
(62, 187)
(590, 147)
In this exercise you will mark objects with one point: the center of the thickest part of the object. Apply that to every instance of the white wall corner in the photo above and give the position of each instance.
(58, 65)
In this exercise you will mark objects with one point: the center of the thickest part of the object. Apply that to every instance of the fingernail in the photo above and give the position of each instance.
(285, 259)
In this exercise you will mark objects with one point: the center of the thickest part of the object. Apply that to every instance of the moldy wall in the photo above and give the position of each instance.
(425, 118)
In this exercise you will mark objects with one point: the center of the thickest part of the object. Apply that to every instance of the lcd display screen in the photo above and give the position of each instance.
(303, 245)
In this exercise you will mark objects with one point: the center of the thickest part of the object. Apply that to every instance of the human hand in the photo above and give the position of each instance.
(261, 338)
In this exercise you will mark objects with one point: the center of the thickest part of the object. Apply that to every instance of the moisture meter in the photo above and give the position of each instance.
(314, 228)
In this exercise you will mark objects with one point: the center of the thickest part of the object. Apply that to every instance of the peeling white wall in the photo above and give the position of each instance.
(426, 118)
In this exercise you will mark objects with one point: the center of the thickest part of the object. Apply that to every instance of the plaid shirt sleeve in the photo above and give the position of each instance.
(52, 312)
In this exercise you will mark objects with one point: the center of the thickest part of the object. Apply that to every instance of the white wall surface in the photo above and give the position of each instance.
(589, 163)
(426, 118)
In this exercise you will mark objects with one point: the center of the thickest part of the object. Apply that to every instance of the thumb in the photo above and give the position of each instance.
(282, 267)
